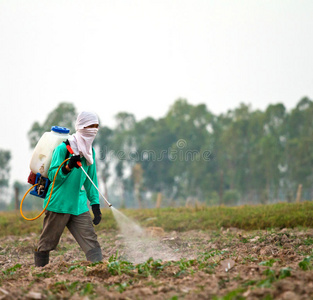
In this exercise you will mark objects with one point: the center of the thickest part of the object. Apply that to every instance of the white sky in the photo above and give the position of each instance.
(140, 56)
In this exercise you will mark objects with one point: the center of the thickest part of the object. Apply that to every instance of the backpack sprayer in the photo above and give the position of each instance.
(40, 163)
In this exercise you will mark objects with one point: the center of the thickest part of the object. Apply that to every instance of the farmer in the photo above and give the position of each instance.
(68, 203)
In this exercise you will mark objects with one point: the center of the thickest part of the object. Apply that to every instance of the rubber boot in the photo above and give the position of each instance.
(41, 258)
(94, 255)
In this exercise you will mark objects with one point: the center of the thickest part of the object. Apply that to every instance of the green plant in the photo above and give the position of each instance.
(65, 285)
(244, 240)
(151, 267)
(210, 254)
(82, 288)
(306, 264)
(118, 267)
(121, 287)
(232, 295)
(308, 241)
(11, 271)
(272, 277)
(45, 274)
(184, 265)
(78, 266)
(284, 272)
(249, 258)
(268, 263)
(95, 263)
(249, 282)
(268, 297)
(114, 257)
(87, 289)
(207, 261)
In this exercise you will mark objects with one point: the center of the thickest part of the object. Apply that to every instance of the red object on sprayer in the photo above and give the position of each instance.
(70, 150)
(31, 178)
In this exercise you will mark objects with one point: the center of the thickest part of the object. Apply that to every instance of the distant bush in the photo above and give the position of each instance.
(231, 197)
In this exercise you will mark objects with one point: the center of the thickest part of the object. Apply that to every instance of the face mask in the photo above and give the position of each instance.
(88, 132)
(84, 139)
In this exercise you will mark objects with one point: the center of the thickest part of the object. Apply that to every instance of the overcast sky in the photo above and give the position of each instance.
(110, 56)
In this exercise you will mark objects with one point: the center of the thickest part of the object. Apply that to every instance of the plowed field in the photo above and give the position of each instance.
(222, 264)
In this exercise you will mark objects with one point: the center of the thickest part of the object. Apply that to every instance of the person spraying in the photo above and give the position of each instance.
(68, 206)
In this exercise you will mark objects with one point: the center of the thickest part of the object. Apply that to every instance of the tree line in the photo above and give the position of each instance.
(190, 154)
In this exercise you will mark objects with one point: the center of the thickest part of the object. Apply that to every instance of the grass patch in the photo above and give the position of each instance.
(248, 217)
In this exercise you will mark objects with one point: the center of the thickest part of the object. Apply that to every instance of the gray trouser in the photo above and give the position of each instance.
(80, 226)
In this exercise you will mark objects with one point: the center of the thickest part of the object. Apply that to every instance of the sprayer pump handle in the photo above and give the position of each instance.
(70, 150)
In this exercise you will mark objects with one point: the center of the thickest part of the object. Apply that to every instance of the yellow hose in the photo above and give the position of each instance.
(21, 211)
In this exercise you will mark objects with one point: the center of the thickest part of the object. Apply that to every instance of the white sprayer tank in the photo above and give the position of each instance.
(42, 155)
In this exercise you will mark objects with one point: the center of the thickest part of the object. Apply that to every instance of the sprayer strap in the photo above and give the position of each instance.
(67, 143)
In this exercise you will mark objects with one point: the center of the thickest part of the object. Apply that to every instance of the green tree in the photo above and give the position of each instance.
(122, 144)
(300, 144)
(192, 127)
(30, 202)
(272, 147)
(234, 148)
(155, 159)
(64, 115)
(137, 176)
(257, 178)
(5, 157)
(103, 143)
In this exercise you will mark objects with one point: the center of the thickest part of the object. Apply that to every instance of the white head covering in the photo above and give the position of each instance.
(81, 141)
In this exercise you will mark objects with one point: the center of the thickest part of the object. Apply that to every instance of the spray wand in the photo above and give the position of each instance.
(70, 150)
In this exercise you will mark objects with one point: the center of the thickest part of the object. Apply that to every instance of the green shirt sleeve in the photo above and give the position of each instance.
(58, 157)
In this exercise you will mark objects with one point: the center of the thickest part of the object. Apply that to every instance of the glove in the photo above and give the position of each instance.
(72, 163)
(97, 213)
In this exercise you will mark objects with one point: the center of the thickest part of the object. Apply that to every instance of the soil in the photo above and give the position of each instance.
(224, 264)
